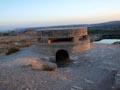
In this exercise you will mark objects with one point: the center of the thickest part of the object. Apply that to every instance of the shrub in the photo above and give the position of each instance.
(12, 50)
(118, 42)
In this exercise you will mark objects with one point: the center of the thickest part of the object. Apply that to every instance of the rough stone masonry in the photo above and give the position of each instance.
(63, 42)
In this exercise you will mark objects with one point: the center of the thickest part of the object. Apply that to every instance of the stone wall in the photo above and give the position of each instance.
(80, 41)
(71, 48)
(63, 33)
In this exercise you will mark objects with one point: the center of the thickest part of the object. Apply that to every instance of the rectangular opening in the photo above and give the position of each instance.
(83, 38)
(57, 40)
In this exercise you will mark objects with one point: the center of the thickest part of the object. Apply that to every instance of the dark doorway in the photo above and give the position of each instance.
(62, 58)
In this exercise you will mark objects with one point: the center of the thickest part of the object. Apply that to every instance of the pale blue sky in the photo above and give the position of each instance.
(25, 13)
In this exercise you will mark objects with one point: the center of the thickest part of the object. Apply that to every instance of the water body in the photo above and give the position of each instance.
(107, 41)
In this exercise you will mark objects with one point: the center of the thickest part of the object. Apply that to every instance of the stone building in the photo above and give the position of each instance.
(59, 44)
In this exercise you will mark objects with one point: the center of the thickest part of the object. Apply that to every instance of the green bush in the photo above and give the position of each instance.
(12, 50)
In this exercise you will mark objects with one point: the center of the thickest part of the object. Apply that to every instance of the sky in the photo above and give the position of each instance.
(37, 13)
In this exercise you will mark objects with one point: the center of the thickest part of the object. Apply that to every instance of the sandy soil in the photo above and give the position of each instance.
(91, 70)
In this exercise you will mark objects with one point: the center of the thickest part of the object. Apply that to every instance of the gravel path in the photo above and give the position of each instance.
(92, 70)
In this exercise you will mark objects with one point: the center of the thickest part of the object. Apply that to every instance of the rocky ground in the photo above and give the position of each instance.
(94, 69)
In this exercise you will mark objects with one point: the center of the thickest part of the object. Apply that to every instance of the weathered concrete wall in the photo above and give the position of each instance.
(80, 41)
(71, 48)
(63, 33)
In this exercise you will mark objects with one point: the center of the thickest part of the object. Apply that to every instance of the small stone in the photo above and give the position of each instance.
(76, 88)
(113, 87)
(118, 75)
(75, 62)
(88, 81)
(117, 80)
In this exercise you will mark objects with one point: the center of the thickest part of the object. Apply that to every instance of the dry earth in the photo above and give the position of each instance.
(17, 41)
(91, 70)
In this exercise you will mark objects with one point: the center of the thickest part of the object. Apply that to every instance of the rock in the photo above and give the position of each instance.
(35, 65)
(88, 81)
(27, 89)
(76, 88)
(40, 64)
(49, 66)
(117, 80)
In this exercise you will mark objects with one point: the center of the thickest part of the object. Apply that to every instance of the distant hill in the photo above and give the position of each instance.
(92, 28)
(106, 26)
(111, 23)
(98, 26)
(114, 25)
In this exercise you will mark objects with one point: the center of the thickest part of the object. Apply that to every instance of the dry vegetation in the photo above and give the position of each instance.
(18, 41)
(12, 50)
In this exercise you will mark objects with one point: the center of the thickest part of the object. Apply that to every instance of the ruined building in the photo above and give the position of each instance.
(60, 44)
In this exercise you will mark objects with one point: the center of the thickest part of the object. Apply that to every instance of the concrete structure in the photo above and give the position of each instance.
(62, 43)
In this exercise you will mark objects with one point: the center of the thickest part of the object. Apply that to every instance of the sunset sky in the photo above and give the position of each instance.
(31, 13)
